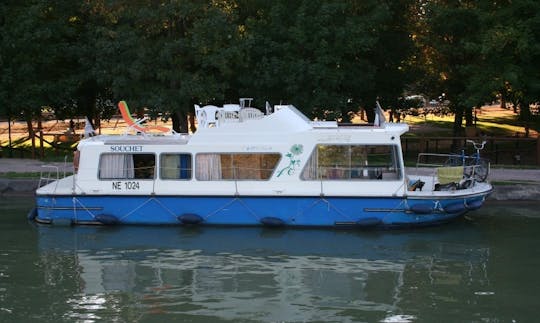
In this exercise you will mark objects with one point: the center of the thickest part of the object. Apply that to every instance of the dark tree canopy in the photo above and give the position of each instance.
(329, 58)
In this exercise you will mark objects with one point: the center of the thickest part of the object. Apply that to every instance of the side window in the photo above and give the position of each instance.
(175, 166)
(127, 166)
(353, 162)
(215, 166)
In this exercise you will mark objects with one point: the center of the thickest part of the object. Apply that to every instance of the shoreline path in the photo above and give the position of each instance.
(19, 165)
(509, 183)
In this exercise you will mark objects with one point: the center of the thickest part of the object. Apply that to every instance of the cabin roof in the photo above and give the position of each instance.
(286, 121)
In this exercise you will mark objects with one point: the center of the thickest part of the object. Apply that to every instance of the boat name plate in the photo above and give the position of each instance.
(124, 149)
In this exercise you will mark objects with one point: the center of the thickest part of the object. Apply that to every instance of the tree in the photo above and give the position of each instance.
(50, 59)
(510, 53)
(324, 55)
(169, 55)
(475, 51)
(447, 33)
(32, 59)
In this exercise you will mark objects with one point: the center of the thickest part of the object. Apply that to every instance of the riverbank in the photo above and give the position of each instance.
(509, 184)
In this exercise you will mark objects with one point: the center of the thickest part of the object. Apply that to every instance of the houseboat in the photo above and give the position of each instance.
(246, 167)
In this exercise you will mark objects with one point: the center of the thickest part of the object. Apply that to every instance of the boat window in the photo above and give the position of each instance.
(175, 166)
(127, 166)
(353, 162)
(240, 166)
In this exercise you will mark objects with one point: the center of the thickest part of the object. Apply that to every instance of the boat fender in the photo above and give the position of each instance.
(474, 205)
(62, 222)
(107, 219)
(454, 208)
(422, 208)
(190, 218)
(271, 221)
(32, 214)
(368, 222)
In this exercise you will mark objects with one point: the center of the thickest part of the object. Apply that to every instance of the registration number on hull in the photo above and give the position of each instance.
(128, 186)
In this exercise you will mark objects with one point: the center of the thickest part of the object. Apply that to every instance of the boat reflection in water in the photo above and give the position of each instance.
(130, 273)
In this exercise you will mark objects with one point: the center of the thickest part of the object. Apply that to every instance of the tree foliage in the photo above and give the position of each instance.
(329, 58)
(480, 51)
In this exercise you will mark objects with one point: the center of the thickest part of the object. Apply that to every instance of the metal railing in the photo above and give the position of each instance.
(499, 150)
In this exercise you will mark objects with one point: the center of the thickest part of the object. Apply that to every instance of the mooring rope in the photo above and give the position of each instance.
(76, 200)
(330, 206)
(236, 198)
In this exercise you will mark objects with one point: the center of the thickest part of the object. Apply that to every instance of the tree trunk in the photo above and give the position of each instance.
(525, 116)
(457, 129)
(458, 119)
(40, 131)
(9, 136)
(87, 103)
(179, 121)
(31, 133)
(369, 109)
(191, 121)
(469, 117)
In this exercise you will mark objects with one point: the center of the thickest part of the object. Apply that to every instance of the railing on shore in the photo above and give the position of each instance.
(499, 150)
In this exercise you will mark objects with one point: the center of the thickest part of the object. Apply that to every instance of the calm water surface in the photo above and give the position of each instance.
(481, 269)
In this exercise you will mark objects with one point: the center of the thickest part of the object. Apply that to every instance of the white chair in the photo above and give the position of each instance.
(225, 116)
(245, 102)
(231, 107)
(229, 113)
(206, 116)
(211, 112)
(250, 114)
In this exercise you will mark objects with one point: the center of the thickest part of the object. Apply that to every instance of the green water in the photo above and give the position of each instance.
(480, 269)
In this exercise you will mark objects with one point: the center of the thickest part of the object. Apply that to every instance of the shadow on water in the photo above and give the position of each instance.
(387, 245)
(475, 269)
(262, 274)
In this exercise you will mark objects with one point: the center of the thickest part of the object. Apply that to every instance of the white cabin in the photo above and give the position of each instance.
(280, 154)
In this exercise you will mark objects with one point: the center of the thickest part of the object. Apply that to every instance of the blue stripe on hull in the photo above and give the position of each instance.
(293, 211)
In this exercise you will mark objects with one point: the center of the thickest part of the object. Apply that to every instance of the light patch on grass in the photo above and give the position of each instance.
(15, 175)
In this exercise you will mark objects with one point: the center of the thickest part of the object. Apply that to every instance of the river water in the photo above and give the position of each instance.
(484, 268)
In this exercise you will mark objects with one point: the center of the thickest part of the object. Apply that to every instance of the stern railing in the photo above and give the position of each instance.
(453, 168)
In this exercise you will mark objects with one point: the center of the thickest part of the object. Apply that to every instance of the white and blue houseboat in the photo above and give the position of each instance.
(246, 167)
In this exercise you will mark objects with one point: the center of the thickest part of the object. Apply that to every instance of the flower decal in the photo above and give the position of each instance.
(294, 163)
(297, 149)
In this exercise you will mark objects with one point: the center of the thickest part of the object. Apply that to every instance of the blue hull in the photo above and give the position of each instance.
(252, 211)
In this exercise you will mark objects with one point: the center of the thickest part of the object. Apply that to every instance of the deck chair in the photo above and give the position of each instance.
(207, 115)
(250, 114)
(231, 107)
(447, 175)
(136, 124)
